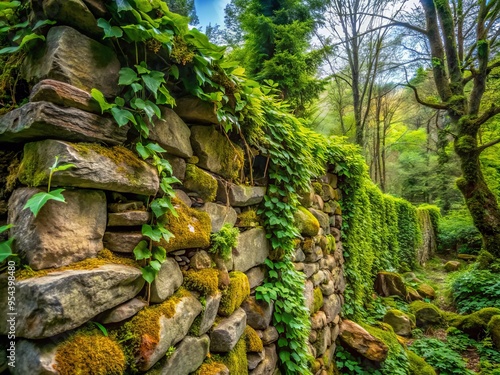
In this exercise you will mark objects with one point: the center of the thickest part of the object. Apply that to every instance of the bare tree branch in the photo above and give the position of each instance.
(489, 144)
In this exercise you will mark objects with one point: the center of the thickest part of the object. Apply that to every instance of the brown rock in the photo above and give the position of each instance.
(42, 120)
(122, 242)
(426, 291)
(357, 338)
(120, 313)
(194, 110)
(390, 284)
(128, 218)
(172, 134)
(452, 265)
(201, 260)
(259, 313)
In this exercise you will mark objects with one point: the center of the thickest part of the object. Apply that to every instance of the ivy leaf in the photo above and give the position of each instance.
(159, 253)
(160, 206)
(99, 97)
(25, 40)
(136, 87)
(127, 76)
(174, 71)
(149, 273)
(154, 264)
(142, 68)
(109, 31)
(6, 249)
(37, 201)
(9, 4)
(143, 151)
(41, 23)
(141, 251)
(119, 101)
(153, 81)
(122, 116)
(155, 147)
(152, 233)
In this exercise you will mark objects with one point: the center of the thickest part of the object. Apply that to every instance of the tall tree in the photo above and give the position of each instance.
(186, 8)
(463, 41)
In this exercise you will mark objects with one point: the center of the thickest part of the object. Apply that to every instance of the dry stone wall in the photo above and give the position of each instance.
(78, 258)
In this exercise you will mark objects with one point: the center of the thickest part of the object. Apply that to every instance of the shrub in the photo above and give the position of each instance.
(224, 241)
(475, 289)
(458, 233)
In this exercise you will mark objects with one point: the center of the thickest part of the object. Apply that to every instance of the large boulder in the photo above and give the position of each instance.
(390, 284)
(186, 358)
(358, 338)
(62, 233)
(219, 215)
(240, 195)
(227, 332)
(95, 167)
(42, 120)
(452, 265)
(426, 291)
(167, 281)
(216, 152)
(61, 301)
(194, 110)
(476, 323)
(399, 321)
(72, 13)
(426, 314)
(172, 134)
(71, 57)
(252, 250)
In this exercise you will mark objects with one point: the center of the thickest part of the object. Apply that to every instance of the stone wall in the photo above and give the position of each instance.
(78, 258)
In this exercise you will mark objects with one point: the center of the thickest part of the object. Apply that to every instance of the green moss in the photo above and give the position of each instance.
(103, 257)
(318, 187)
(426, 291)
(248, 218)
(235, 294)
(89, 352)
(494, 330)
(252, 340)
(418, 366)
(474, 324)
(331, 245)
(224, 241)
(236, 360)
(204, 281)
(305, 222)
(210, 368)
(201, 182)
(318, 300)
(426, 314)
(191, 228)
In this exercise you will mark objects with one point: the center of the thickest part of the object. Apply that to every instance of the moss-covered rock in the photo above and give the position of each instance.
(318, 300)
(413, 294)
(426, 314)
(452, 265)
(494, 330)
(426, 291)
(248, 219)
(216, 152)
(90, 353)
(235, 294)
(236, 360)
(418, 366)
(204, 281)
(201, 182)
(253, 341)
(475, 324)
(390, 284)
(399, 321)
(306, 223)
(360, 339)
(212, 368)
(191, 228)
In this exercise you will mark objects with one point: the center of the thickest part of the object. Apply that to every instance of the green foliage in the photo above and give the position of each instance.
(440, 356)
(475, 289)
(5, 245)
(223, 241)
(350, 365)
(458, 233)
(38, 200)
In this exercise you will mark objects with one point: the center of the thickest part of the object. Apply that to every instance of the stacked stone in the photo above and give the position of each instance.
(81, 252)
(320, 256)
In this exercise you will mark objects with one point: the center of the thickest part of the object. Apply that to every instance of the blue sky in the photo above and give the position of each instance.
(211, 11)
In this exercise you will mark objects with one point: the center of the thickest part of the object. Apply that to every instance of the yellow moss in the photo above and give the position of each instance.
(318, 188)
(305, 222)
(191, 228)
(494, 330)
(201, 182)
(90, 353)
(236, 360)
(252, 340)
(473, 324)
(308, 244)
(205, 281)
(331, 245)
(418, 366)
(318, 300)
(235, 294)
(104, 257)
(193, 160)
(142, 332)
(248, 218)
(210, 368)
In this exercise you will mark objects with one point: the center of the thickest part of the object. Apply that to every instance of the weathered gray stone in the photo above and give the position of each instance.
(322, 218)
(178, 166)
(42, 120)
(122, 242)
(323, 341)
(128, 218)
(318, 320)
(269, 335)
(207, 317)
(201, 260)
(399, 321)
(306, 197)
(299, 255)
(96, 167)
(256, 276)
(240, 195)
(35, 358)
(357, 338)
(172, 134)
(97, 7)
(62, 233)
(259, 313)
(216, 153)
(167, 281)
(72, 13)
(268, 365)
(187, 357)
(120, 313)
(310, 269)
(60, 301)
(71, 57)
(123, 207)
(255, 358)
(318, 278)
(63, 94)
(182, 196)
(219, 215)
(331, 307)
(315, 255)
(328, 287)
(309, 295)
(390, 284)
(252, 249)
(194, 110)
(172, 330)
(226, 334)
(201, 182)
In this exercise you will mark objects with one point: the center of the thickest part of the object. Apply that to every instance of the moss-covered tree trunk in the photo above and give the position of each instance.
(452, 74)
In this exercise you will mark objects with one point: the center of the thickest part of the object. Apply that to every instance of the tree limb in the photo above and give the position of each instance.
(417, 97)
(489, 144)
(493, 111)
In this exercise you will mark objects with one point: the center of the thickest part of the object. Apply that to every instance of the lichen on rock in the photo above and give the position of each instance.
(235, 294)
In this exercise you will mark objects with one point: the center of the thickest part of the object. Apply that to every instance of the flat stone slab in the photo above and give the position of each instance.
(63, 94)
(240, 195)
(120, 313)
(167, 281)
(128, 218)
(122, 242)
(252, 250)
(74, 58)
(96, 167)
(219, 215)
(194, 110)
(43, 120)
(61, 301)
(226, 334)
(207, 317)
(172, 134)
(62, 233)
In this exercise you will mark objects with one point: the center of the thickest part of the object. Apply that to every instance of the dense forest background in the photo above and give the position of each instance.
(366, 70)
